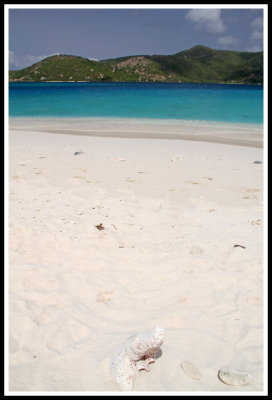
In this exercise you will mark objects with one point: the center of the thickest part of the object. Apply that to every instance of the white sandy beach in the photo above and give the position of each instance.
(182, 248)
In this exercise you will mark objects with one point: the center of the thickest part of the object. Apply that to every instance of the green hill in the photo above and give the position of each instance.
(198, 64)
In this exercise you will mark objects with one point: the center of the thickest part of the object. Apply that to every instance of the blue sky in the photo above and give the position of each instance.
(104, 33)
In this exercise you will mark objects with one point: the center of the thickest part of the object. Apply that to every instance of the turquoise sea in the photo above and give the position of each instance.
(187, 101)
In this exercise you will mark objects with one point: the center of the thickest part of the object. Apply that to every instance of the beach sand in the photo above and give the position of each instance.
(182, 247)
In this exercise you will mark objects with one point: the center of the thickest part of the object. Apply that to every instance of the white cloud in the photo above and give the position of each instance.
(93, 59)
(255, 48)
(135, 12)
(257, 23)
(257, 33)
(11, 57)
(227, 41)
(22, 61)
(207, 19)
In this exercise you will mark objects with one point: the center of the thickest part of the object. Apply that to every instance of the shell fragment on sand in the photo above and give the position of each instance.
(234, 377)
(190, 370)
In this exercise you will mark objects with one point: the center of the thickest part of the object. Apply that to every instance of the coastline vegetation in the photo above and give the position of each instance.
(199, 64)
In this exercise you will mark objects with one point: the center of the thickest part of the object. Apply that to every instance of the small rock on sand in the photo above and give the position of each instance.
(234, 377)
(190, 370)
(104, 297)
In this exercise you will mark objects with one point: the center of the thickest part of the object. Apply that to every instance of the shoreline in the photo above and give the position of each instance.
(98, 81)
(250, 135)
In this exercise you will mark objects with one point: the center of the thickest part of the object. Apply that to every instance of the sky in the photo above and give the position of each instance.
(100, 33)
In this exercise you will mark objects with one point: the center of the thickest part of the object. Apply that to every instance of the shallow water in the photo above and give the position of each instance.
(186, 101)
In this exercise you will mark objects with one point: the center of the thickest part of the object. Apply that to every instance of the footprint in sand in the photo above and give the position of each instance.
(47, 315)
(66, 335)
(253, 339)
(40, 284)
(254, 355)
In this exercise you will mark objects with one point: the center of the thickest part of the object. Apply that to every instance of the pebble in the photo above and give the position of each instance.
(234, 377)
(190, 370)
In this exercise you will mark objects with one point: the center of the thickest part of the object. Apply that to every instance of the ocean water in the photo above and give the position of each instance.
(185, 101)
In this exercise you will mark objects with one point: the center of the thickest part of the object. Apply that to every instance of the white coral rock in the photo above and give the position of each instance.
(136, 353)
